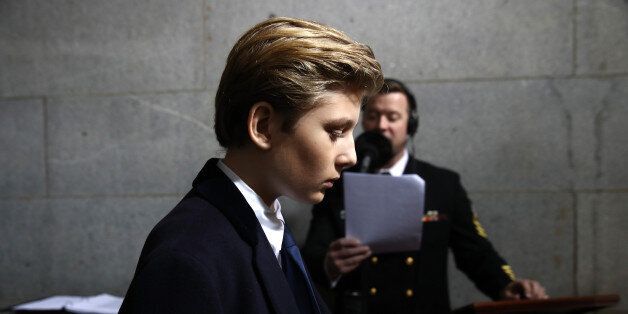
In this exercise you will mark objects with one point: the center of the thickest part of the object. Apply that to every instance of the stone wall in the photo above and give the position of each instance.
(106, 112)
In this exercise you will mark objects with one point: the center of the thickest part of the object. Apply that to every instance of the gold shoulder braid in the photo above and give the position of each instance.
(478, 227)
(508, 270)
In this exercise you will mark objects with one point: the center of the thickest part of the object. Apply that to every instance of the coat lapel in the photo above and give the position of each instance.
(414, 167)
(214, 186)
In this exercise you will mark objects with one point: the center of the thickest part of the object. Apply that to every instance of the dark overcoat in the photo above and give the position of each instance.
(210, 255)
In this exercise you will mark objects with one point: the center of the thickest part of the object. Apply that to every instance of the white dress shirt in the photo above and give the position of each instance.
(270, 218)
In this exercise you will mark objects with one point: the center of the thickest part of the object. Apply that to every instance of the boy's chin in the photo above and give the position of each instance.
(313, 198)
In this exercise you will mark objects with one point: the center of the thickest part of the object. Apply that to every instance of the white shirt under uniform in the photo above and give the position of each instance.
(397, 169)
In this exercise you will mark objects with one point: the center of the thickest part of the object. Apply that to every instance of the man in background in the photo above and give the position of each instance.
(415, 281)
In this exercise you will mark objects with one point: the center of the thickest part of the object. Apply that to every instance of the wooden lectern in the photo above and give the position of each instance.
(553, 305)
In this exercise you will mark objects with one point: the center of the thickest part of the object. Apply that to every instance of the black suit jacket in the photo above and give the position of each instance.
(210, 255)
(411, 282)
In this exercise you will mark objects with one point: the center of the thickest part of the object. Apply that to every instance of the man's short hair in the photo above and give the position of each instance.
(392, 85)
(289, 63)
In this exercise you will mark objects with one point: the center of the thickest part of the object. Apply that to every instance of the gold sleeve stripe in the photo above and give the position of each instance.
(508, 270)
(478, 227)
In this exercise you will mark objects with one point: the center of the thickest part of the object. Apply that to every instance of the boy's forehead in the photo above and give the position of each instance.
(334, 101)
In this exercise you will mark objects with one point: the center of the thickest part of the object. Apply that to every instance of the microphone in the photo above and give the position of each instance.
(373, 150)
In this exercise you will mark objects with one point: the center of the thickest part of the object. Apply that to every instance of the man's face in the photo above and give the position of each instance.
(388, 114)
(310, 158)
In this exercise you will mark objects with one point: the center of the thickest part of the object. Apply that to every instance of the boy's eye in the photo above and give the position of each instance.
(334, 134)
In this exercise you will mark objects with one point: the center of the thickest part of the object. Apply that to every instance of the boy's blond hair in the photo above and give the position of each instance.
(289, 63)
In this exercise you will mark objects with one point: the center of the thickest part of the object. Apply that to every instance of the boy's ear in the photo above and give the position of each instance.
(260, 124)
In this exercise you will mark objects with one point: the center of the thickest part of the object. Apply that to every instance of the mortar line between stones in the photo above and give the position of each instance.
(576, 251)
(178, 195)
(520, 78)
(409, 81)
(116, 94)
(567, 190)
(574, 34)
(205, 43)
(46, 155)
(594, 234)
(23, 97)
(96, 196)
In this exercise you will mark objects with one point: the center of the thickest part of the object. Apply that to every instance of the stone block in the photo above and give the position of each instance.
(97, 241)
(602, 36)
(73, 246)
(598, 109)
(129, 144)
(602, 229)
(533, 232)
(25, 266)
(69, 47)
(22, 156)
(423, 40)
(507, 135)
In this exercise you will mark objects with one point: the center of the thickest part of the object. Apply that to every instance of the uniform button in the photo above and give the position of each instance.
(373, 291)
(409, 261)
(409, 293)
(374, 260)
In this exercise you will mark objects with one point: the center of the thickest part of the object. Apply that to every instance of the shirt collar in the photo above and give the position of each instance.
(254, 200)
(397, 169)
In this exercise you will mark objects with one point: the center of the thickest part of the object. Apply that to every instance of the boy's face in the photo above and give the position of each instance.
(309, 159)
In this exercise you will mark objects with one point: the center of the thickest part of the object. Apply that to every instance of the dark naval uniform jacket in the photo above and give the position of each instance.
(416, 281)
(210, 255)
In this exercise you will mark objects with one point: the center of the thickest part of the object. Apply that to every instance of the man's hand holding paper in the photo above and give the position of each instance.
(344, 255)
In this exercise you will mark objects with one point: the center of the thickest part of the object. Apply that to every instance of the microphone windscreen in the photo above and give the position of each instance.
(374, 145)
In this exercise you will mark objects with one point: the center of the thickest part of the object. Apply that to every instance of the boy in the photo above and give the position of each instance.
(288, 101)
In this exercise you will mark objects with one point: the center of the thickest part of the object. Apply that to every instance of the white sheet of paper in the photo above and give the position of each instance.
(98, 304)
(384, 212)
(55, 303)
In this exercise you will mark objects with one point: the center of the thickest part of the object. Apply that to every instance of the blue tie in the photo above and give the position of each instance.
(295, 280)
(298, 280)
